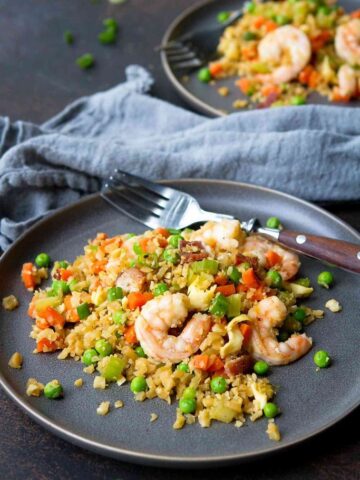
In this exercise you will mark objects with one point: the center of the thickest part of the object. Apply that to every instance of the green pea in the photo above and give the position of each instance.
(325, 279)
(304, 282)
(189, 392)
(137, 249)
(300, 314)
(138, 384)
(298, 100)
(85, 61)
(187, 405)
(130, 235)
(292, 325)
(282, 19)
(223, 17)
(60, 287)
(90, 357)
(283, 336)
(324, 10)
(112, 368)
(174, 231)
(160, 289)
(271, 410)
(234, 275)
(115, 293)
(322, 359)
(204, 75)
(274, 278)
(83, 311)
(250, 7)
(103, 347)
(248, 36)
(68, 37)
(219, 306)
(63, 264)
(261, 367)
(183, 367)
(140, 352)
(50, 293)
(53, 390)
(42, 260)
(170, 256)
(119, 317)
(273, 222)
(174, 240)
(218, 385)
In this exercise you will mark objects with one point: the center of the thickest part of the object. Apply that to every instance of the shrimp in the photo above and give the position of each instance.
(348, 81)
(287, 47)
(222, 235)
(347, 42)
(165, 312)
(267, 315)
(256, 245)
(131, 280)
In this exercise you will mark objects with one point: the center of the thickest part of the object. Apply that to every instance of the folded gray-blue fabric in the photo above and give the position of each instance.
(312, 151)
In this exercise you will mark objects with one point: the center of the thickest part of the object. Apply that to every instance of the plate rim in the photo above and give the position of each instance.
(184, 93)
(149, 458)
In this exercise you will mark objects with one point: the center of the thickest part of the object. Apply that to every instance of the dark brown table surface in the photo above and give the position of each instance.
(38, 77)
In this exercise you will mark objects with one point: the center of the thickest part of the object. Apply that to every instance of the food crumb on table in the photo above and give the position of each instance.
(273, 431)
(16, 360)
(10, 302)
(34, 388)
(153, 417)
(99, 383)
(223, 91)
(118, 404)
(333, 305)
(79, 382)
(240, 103)
(89, 370)
(103, 408)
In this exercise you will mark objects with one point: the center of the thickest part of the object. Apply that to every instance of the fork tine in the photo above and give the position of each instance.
(134, 197)
(180, 57)
(146, 195)
(171, 44)
(187, 64)
(178, 51)
(120, 203)
(127, 178)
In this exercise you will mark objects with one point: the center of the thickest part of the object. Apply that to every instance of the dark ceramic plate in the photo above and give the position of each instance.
(200, 96)
(311, 401)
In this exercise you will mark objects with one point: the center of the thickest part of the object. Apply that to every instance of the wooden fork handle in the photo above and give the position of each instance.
(337, 252)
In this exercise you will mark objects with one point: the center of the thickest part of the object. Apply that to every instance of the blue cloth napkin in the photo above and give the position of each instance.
(312, 152)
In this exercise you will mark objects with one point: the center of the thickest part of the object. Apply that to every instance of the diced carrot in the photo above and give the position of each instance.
(215, 69)
(355, 14)
(250, 279)
(220, 280)
(270, 26)
(65, 274)
(259, 22)
(245, 329)
(72, 315)
(272, 258)
(201, 362)
(314, 79)
(27, 276)
(143, 244)
(98, 266)
(305, 74)
(244, 84)
(215, 364)
(226, 289)
(242, 288)
(138, 299)
(270, 89)
(249, 53)
(130, 335)
(162, 242)
(54, 318)
(337, 97)
(258, 294)
(320, 40)
(45, 345)
(162, 231)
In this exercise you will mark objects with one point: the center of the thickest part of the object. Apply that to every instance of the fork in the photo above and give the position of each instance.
(157, 205)
(195, 49)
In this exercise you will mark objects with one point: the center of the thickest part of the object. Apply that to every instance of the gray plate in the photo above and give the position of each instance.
(311, 401)
(200, 96)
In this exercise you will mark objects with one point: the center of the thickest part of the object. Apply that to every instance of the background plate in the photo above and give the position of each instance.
(311, 401)
(203, 97)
